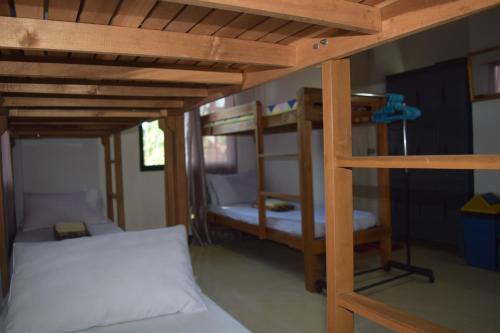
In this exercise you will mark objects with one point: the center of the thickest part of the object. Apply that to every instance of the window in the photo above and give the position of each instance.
(151, 141)
(219, 151)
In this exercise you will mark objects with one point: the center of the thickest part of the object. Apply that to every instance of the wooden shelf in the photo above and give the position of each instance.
(386, 315)
(283, 196)
(452, 162)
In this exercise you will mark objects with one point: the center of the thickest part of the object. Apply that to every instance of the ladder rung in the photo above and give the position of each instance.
(283, 196)
(279, 156)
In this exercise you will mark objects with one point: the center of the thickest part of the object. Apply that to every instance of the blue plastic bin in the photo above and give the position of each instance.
(480, 239)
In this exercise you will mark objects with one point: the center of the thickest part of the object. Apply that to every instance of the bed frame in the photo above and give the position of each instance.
(249, 119)
(175, 55)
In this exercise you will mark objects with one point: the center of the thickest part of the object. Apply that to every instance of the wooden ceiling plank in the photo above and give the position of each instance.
(284, 32)
(131, 14)
(209, 25)
(121, 73)
(4, 8)
(185, 21)
(96, 12)
(312, 31)
(161, 15)
(62, 10)
(333, 13)
(101, 90)
(30, 9)
(60, 36)
(430, 14)
(43, 102)
(61, 114)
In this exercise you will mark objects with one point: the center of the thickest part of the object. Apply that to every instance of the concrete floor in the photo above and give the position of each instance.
(261, 285)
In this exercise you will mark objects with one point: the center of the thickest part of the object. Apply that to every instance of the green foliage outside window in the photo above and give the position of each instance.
(152, 143)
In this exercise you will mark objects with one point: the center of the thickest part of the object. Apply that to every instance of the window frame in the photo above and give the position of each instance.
(142, 166)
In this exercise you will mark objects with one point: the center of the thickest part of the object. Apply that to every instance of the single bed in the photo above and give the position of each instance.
(290, 221)
(212, 320)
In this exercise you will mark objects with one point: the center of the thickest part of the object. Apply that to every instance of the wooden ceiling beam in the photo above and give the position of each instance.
(101, 90)
(120, 73)
(43, 102)
(418, 16)
(32, 34)
(61, 114)
(334, 13)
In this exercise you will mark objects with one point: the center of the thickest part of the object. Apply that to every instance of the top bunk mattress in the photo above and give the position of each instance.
(290, 222)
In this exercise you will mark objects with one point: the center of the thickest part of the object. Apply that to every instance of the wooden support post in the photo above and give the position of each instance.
(120, 209)
(259, 149)
(337, 128)
(304, 135)
(176, 188)
(384, 197)
(109, 177)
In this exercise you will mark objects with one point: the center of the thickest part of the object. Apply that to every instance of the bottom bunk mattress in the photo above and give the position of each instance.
(290, 221)
(213, 320)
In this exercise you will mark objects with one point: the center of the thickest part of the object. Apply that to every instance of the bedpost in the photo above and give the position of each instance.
(117, 162)
(109, 177)
(384, 197)
(337, 124)
(4, 232)
(176, 202)
(259, 150)
(304, 134)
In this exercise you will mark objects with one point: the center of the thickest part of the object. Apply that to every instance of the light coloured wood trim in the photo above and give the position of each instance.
(120, 207)
(42, 113)
(109, 177)
(337, 13)
(30, 34)
(337, 136)
(101, 90)
(387, 316)
(429, 14)
(42, 102)
(107, 72)
(448, 162)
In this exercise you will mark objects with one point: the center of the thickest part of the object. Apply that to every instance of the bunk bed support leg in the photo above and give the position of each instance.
(384, 199)
(337, 124)
(117, 158)
(176, 195)
(109, 178)
(304, 135)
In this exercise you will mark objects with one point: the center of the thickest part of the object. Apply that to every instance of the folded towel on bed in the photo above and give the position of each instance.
(276, 205)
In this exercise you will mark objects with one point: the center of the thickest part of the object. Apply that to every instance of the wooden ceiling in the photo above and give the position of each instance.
(127, 57)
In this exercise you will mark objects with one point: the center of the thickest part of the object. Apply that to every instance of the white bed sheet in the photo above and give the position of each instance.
(214, 320)
(290, 222)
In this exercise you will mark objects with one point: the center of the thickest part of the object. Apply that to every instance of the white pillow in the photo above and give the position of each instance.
(81, 283)
(43, 210)
(235, 188)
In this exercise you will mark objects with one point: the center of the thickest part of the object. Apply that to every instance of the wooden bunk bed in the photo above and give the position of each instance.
(177, 55)
(301, 115)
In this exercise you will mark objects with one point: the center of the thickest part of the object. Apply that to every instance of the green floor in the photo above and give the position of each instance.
(261, 285)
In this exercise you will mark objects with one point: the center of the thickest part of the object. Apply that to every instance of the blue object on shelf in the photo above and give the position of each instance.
(481, 232)
(395, 110)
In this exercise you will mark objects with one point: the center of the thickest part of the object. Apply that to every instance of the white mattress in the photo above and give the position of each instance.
(214, 320)
(290, 222)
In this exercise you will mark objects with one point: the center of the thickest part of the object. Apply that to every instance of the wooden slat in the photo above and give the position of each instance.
(42, 102)
(101, 90)
(62, 10)
(388, 316)
(32, 9)
(29, 113)
(101, 72)
(337, 13)
(432, 13)
(31, 34)
(284, 196)
(457, 162)
(131, 14)
(337, 136)
(4, 8)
